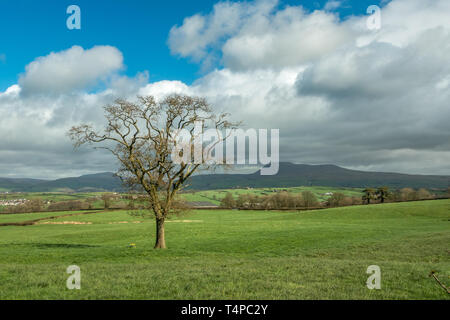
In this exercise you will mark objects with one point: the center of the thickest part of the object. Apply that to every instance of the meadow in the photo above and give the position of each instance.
(203, 197)
(214, 196)
(230, 254)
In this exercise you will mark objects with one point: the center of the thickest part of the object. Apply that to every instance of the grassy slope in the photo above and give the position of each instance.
(235, 255)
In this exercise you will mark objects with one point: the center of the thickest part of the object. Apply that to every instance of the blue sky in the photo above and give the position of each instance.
(138, 28)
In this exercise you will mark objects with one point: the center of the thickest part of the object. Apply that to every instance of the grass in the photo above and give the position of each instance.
(224, 254)
(214, 196)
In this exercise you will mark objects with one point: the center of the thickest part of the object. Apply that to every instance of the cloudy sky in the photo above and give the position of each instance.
(339, 91)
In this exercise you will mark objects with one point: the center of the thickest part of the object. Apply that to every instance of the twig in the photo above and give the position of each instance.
(432, 274)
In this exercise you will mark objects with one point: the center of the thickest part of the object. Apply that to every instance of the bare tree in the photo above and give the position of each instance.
(309, 199)
(424, 194)
(228, 201)
(336, 200)
(408, 194)
(142, 136)
(106, 200)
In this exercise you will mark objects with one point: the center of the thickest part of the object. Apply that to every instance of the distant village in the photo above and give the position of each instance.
(13, 202)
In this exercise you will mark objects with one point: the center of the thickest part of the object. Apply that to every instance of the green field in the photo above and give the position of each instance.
(223, 254)
(209, 196)
(21, 217)
(214, 196)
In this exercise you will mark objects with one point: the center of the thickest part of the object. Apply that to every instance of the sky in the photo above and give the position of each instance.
(340, 92)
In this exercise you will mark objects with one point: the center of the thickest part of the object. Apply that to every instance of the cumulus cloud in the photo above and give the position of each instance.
(200, 35)
(164, 88)
(402, 22)
(363, 99)
(72, 69)
(394, 94)
(34, 141)
(338, 92)
(381, 69)
(286, 38)
(255, 35)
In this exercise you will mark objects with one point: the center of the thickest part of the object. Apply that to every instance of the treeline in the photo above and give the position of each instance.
(38, 205)
(279, 200)
(105, 201)
(308, 200)
(383, 194)
(286, 200)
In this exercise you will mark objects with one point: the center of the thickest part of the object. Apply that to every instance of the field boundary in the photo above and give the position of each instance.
(13, 213)
(33, 222)
(315, 208)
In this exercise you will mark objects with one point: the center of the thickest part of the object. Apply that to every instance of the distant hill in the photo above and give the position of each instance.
(105, 181)
(289, 175)
(11, 184)
(292, 175)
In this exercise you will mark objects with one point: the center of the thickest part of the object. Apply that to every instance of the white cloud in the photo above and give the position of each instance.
(199, 33)
(339, 93)
(403, 21)
(163, 88)
(332, 5)
(287, 38)
(368, 99)
(14, 90)
(257, 35)
(69, 70)
(34, 126)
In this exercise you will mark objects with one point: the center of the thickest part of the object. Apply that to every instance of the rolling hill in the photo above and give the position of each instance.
(293, 175)
(289, 175)
(105, 181)
(19, 184)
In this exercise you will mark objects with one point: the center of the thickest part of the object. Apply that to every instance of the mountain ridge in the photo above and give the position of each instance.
(293, 175)
(289, 175)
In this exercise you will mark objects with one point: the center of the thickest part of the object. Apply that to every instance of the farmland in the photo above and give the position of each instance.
(230, 254)
(322, 193)
(210, 196)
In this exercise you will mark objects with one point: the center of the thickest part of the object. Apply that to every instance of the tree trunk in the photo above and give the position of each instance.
(160, 239)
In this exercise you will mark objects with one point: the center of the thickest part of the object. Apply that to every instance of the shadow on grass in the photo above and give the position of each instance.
(56, 245)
